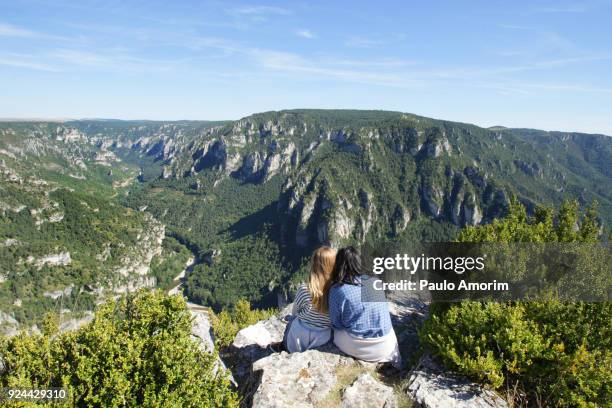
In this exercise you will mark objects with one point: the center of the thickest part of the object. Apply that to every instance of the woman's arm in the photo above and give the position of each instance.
(298, 303)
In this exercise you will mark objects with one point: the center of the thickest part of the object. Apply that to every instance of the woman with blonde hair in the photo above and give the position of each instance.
(310, 326)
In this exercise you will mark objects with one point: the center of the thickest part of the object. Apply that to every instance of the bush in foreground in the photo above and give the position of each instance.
(136, 352)
(545, 353)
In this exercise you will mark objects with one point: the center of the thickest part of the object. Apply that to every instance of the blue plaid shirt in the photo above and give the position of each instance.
(348, 312)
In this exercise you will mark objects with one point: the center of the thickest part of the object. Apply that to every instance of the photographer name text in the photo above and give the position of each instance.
(423, 284)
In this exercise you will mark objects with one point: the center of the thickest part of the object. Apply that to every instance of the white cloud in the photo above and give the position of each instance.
(25, 62)
(110, 60)
(246, 16)
(7, 30)
(305, 34)
(259, 10)
(290, 63)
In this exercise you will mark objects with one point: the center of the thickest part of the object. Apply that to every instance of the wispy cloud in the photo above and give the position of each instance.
(474, 73)
(535, 41)
(259, 10)
(534, 89)
(566, 87)
(373, 63)
(68, 60)
(28, 62)
(245, 16)
(305, 34)
(362, 42)
(8, 30)
(290, 63)
(110, 60)
(517, 27)
(572, 8)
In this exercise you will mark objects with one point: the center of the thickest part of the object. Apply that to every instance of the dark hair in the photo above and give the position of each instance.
(348, 266)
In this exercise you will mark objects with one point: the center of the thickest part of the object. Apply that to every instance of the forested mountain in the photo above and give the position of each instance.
(251, 198)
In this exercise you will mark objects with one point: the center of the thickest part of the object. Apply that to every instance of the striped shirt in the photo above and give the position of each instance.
(302, 308)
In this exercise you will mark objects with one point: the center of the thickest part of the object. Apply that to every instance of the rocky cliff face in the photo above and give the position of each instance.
(346, 180)
(350, 175)
(61, 237)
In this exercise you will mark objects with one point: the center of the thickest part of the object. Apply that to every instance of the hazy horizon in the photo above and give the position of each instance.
(520, 64)
(69, 119)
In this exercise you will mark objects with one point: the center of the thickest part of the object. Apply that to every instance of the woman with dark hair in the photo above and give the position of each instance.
(362, 329)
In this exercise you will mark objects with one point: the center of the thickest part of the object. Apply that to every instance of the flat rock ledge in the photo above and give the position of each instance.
(295, 380)
(430, 386)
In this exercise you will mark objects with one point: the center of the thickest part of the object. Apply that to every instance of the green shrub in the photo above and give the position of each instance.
(136, 352)
(228, 323)
(558, 354)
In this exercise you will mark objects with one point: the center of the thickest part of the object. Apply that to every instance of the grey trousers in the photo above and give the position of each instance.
(300, 336)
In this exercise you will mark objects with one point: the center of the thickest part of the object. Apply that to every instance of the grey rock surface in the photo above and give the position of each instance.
(367, 392)
(262, 333)
(430, 386)
(201, 331)
(254, 343)
(296, 380)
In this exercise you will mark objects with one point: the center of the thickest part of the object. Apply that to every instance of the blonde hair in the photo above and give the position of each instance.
(319, 282)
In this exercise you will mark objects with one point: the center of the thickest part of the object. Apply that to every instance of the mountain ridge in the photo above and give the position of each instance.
(276, 184)
(145, 120)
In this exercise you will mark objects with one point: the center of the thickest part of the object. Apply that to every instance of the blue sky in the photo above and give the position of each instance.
(541, 64)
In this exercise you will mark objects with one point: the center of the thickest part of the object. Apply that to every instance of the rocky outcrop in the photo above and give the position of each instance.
(9, 326)
(432, 199)
(252, 164)
(298, 379)
(75, 322)
(342, 226)
(471, 213)
(531, 169)
(273, 378)
(135, 265)
(269, 377)
(431, 387)
(61, 259)
(201, 330)
(400, 220)
(253, 343)
(56, 294)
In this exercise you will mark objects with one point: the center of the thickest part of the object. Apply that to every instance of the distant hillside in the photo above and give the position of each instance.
(251, 198)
